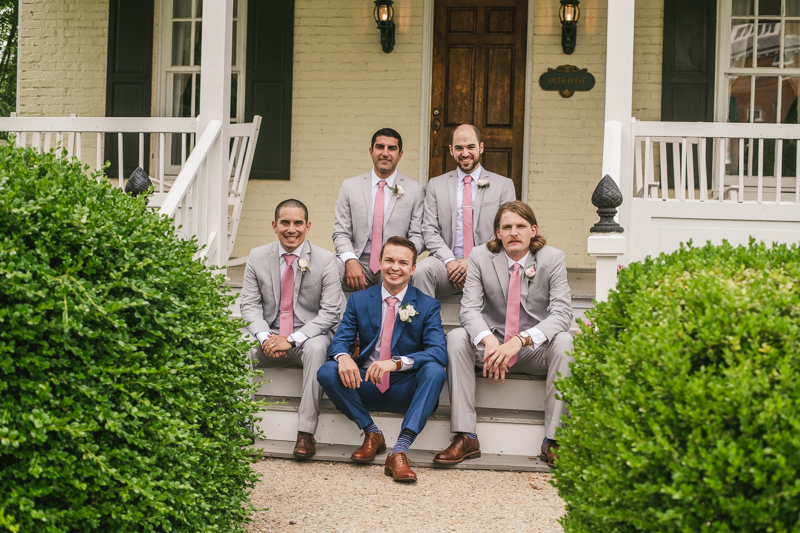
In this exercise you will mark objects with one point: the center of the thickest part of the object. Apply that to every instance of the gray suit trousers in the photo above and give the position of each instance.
(547, 359)
(371, 277)
(312, 354)
(431, 278)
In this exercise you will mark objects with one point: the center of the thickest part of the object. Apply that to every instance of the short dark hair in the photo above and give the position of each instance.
(387, 132)
(476, 130)
(524, 210)
(400, 241)
(291, 203)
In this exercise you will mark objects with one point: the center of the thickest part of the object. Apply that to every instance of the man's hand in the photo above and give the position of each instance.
(457, 272)
(495, 360)
(354, 275)
(377, 369)
(276, 346)
(348, 372)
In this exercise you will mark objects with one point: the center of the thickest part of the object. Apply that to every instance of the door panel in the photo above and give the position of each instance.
(479, 78)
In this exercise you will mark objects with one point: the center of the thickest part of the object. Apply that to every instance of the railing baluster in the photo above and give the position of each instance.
(690, 169)
(778, 169)
(701, 167)
(99, 151)
(161, 160)
(120, 157)
(663, 169)
(141, 150)
(637, 165)
(36, 139)
(682, 196)
(723, 147)
(183, 148)
(750, 158)
(78, 146)
(760, 169)
(46, 143)
(237, 177)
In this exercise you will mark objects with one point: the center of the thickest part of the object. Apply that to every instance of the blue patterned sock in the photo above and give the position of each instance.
(371, 428)
(404, 441)
(472, 436)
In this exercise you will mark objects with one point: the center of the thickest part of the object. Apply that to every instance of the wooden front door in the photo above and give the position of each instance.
(479, 78)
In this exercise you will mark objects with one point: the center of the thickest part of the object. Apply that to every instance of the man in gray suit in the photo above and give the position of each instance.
(371, 208)
(292, 300)
(459, 209)
(516, 313)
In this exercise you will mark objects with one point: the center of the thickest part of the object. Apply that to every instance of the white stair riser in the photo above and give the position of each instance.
(498, 438)
(522, 394)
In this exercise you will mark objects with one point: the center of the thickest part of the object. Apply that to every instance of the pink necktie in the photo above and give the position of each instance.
(287, 297)
(466, 216)
(386, 339)
(377, 230)
(512, 308)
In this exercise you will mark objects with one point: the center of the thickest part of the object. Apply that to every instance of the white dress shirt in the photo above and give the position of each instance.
(408, 362)
(458, 240)
(387, 194)
(526, 321)
(297, 336)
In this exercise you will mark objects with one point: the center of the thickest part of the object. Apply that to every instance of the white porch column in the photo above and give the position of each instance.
(215, 103)
(619, 96)
(606, 249)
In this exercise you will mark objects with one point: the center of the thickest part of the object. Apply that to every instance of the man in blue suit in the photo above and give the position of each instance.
(401, 367)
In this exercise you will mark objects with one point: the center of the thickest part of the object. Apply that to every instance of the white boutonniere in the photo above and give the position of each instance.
(406, 312)
(302, 265)
(482, 184)
(397, 190)
(529, 273)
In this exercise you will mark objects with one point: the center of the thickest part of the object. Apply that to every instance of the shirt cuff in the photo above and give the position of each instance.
(479, 337)
(537, 336)
(347, 256)
(262, 336)
(338, 355)
(408, 363)
(299, 337)
(445, 261)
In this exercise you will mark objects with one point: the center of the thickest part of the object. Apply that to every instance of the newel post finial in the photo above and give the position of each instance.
(607, 198)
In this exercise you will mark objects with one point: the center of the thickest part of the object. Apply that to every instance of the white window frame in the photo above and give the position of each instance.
(165, 70)
(723, 61)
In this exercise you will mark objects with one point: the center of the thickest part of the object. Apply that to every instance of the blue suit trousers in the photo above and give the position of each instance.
(414, 392)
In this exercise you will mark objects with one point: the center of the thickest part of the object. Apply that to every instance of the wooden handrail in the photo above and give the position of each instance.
(99, 124)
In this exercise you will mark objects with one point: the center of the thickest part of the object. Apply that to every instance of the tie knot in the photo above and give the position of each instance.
(516, 268)
(289, 258)
(392, 301)
(381, 184)
(467, 179)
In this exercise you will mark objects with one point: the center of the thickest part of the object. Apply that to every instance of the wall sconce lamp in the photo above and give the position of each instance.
(569, 15)
(384, 13)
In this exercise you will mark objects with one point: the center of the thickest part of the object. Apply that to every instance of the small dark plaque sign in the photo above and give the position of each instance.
(566, 79)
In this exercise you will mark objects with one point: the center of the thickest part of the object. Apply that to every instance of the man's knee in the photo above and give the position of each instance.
(432, 372)
(458, 343)
(315, 350)
(328, 374)
(561, 350)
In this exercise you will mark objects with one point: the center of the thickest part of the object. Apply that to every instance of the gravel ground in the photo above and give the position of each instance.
(345, 497)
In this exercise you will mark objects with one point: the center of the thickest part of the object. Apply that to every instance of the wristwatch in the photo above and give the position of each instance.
(291, 341)
(399, 362)
(525, 337)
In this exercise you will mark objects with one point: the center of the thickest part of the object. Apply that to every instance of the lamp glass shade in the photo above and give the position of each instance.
(383, 13)
(569, 13)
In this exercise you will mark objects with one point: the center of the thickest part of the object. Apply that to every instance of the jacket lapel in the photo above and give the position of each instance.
(374, 306)
(399, 325)
(366, 188)
(501, 267)
(298, 280)
(452, 189)
(393, 198)
(274, 266)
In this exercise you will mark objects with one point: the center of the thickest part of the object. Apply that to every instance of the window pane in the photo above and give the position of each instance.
(769, 7)
(182, 9)
(789, 100)
(234, 95)
(196, 95)
(738, 98)
(233, 48)
(766, 101)
(198, 41)
(768, 44)
(792, 8)
(742, 7)
(741, 43)
(791, 44)
(181, 95)
(181, 38)
(199, 9)
(236, 8)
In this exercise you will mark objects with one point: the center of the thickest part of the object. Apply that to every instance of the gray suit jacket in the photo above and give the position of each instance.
(546, 298)
(318, 297)
(439, 222)
(353, 221)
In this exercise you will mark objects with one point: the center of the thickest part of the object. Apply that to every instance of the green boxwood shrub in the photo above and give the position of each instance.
(685, 401)
(123, 391)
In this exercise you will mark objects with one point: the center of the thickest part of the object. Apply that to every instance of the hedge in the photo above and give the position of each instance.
(685, 399)
(123, 391)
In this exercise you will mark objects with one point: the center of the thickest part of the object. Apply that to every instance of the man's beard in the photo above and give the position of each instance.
(475, 163)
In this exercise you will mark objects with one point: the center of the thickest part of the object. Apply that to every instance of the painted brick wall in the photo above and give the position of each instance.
(648, 54)
(345, 89)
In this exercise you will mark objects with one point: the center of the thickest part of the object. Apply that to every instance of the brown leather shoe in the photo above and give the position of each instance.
(461, 447)
(398, 466)
(305, 447)
(373, 444)
(549, 452)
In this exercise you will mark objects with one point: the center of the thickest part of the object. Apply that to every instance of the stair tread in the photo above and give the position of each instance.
(281, 449)
(478, 373)
(484, 414)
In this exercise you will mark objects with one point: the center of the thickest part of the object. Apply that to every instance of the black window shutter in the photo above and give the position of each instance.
(129, 76)
(268, 90)
(687, 90)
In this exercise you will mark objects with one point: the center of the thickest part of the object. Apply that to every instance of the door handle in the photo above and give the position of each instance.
(436, 125)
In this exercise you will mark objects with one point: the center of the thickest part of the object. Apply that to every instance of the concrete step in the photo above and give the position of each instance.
(282, 449)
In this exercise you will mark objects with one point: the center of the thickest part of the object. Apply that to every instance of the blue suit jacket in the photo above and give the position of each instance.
(421, 339)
